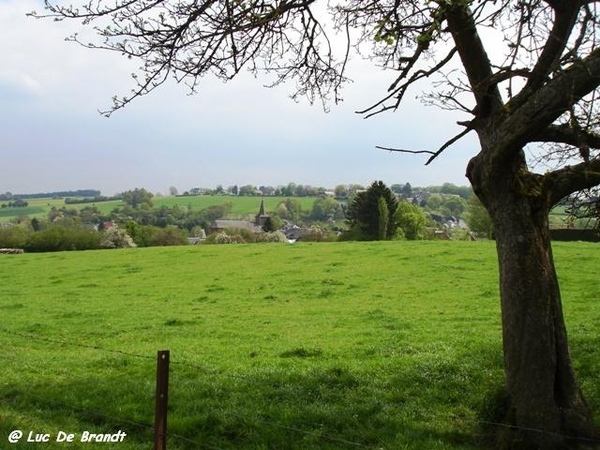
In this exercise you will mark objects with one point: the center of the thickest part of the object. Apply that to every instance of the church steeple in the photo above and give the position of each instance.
(261, 217)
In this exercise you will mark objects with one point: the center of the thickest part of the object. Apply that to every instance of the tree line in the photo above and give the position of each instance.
(305, 190)
(56, 194)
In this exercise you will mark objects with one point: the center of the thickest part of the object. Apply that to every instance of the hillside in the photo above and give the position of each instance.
(242, 206)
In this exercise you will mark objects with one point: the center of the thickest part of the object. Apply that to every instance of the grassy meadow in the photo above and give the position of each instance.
(381, 345)
(36, 208)
(242, 206)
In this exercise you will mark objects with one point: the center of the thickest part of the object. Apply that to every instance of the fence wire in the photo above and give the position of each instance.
(38, 338)
(592, 441)
(213, 372)
(111, 419)
(203, 369)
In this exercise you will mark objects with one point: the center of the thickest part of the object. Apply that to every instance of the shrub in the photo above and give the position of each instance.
(142, 235)
(233, 236)
(223, 238)
(169, 236)
(410, 220)
(318, 234)
(244, 234)
(14, 237)
(116, 237)
(275, 236)
(61, 238)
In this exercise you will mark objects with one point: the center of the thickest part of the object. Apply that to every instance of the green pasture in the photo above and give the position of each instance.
(31, 211)
(380, 345)
(242, 206)
(36, 208)
(559, 218)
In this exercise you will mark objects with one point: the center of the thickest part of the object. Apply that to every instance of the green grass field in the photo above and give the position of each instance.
(382, 345)
(242, 206)
(36, 208)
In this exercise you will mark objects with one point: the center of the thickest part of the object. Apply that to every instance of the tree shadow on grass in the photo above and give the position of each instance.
(324, 405)
(320, 408)
(325, 409)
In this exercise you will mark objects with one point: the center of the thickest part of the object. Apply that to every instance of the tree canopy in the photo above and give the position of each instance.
(137, 198)
(410, 220)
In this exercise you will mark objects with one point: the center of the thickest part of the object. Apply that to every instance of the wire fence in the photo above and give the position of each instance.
(127, 384)
(122, 380)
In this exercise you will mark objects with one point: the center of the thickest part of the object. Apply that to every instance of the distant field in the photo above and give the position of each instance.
(31, 211)
(36, 208)
(242, 206)
(382, 345)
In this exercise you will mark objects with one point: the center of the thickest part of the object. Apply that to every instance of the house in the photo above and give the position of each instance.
(292, 232)
(223, 224)
(295, 233)
(102, 226)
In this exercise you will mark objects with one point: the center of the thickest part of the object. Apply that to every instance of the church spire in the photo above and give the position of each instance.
(261, 217)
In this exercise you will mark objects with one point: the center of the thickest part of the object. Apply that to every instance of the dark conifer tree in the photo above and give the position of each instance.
(363, 213)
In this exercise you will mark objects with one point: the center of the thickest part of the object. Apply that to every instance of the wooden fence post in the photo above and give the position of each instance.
(162, 396)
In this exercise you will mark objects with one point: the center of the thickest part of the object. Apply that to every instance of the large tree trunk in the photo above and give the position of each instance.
(547, 409)
(545, 400)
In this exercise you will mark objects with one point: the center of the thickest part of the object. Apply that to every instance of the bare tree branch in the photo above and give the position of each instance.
(185, 41)
(549, 102)
(399, 92)
(563, 182)
(473, 56)
(448, 144)
(402, 150)
(566, 12)
(435, 154)
(565, 134)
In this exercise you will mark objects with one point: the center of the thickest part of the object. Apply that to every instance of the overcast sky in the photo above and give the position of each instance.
(53, 137)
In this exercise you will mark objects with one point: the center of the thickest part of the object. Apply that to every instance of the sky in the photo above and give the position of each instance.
(53, 137)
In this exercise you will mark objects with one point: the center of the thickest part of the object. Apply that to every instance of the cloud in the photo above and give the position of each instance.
(19, 80)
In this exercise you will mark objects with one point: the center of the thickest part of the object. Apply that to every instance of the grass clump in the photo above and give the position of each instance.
(302, 352)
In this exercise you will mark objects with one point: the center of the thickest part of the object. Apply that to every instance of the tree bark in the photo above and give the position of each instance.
(547, 409)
